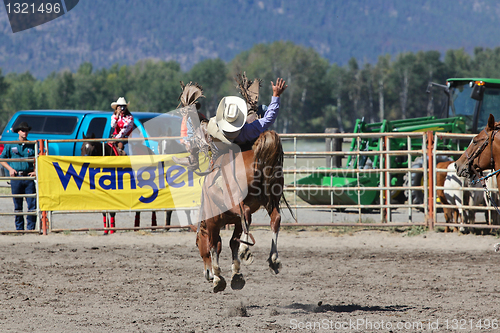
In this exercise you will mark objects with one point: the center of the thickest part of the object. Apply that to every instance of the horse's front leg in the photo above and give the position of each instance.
(204, 248)
(273, 260)
(215, 250)
(237, 280)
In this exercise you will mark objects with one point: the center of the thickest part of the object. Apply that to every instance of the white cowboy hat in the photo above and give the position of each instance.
(231, 114)
(120, 101)
(230, 118)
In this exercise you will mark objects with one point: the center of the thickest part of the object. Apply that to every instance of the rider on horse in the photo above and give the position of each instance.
(236, 120)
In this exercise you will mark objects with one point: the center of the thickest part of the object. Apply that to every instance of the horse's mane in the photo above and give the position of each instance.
(268, 161)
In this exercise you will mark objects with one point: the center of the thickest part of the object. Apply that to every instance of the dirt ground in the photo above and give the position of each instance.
(153, 282)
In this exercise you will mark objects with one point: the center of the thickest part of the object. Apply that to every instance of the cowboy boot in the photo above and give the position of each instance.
(112, 224)
(191, 162)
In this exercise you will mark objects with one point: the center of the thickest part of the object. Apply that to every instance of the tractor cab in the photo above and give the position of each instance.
(473, 99)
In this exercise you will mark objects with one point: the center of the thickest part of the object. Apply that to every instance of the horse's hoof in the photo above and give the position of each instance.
(219, 285)
(274, 265)
(237, 281)
(208, 275)
(246, 256)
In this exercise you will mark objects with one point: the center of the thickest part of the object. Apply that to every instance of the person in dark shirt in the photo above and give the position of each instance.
(21, 169)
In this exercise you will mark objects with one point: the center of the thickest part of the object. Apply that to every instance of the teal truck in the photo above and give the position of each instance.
(468, 103)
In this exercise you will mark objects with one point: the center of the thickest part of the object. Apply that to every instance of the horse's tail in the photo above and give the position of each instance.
(268, 166)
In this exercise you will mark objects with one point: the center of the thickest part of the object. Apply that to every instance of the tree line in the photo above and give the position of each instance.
(319, 94)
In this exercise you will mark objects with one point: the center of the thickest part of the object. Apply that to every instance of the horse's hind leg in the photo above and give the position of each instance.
(237, 280)
(273, 260)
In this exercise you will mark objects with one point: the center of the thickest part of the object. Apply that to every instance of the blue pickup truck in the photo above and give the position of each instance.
(69, 124)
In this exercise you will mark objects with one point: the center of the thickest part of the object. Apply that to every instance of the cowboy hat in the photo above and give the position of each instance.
(230, 117)
(231, 114)
(22, 127)
(120, 101)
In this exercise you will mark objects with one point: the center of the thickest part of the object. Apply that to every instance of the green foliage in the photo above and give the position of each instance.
(415, 231)
(211, 74)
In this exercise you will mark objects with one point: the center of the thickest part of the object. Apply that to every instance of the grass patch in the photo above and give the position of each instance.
(415, 231)
(5, 190)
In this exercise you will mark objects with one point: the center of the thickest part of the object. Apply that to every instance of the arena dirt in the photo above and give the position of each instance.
(367, 281)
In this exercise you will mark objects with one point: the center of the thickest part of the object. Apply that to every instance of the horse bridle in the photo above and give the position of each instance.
(479, 151)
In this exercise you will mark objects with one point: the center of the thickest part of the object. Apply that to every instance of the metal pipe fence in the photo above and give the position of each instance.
(5, 180)
(385, 202)
(378, 187)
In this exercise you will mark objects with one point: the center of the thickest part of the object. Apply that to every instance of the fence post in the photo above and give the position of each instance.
(333, 144)
(430, 179)
(41, 147)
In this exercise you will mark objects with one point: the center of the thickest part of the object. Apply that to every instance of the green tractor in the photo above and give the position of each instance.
(468, 103)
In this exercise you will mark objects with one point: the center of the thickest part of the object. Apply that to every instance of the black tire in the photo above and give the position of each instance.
(416, 180)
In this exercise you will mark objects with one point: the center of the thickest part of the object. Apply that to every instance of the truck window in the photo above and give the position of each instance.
(48, 124)
(97, 126)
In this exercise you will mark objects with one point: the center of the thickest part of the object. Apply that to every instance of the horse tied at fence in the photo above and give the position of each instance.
(482, 154)
(261, 170)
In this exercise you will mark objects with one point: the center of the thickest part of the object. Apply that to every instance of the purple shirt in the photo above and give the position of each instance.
(252, 131)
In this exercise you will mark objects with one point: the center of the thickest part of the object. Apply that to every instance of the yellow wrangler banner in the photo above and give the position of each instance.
(115, 183)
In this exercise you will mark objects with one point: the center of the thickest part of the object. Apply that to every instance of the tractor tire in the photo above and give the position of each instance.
(417, 179)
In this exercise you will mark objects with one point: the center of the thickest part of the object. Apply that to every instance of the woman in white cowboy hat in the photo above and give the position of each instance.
(123, 123)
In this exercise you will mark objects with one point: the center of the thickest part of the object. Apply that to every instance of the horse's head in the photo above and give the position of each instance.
(89, 147)
(480, 155)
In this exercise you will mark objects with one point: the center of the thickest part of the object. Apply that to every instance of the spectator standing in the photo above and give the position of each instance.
(123, 123)
(21, 150)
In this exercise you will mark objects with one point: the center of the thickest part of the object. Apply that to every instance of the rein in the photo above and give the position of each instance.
(479, 151)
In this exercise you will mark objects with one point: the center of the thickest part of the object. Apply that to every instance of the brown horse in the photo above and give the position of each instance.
(262, 170)
(482, 154)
